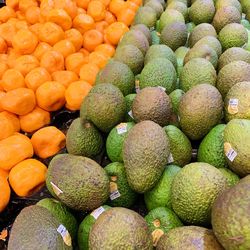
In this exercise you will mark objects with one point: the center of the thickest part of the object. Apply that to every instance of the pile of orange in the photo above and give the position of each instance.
(50, 54)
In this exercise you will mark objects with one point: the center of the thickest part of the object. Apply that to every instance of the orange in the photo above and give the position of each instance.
(19, 101)
(51, 96)
(35, 28)
(64, 77)
(33, 14)
(12, 56)
(50, 33)
(12, 3)
(126, 16)
(83, 22)
(7, 32)
(68, 5)
(6, 127)
(85, 53)
(2, 94)
(96, 9)
(27, 177)
(115, 31)
(137, 2)
(13, 119)
(26, 63)
(4, 173)
(91, 39)
(75, 37)
(116, 6)
(74, 62)
(105, 2)
(45, 7)
(98, 58)
(14, 149)
(65, 47)
(60, 17)
(4, 58)
(21, 24)
(24, 41)
(109, 17)
(52, 61)
(20, 15)
(132, 6)
(76, 93)
(34, 120)
(81, 11)
(107, 49)
(6, 13)
(83, 3)
(12, 79)
(25, 4)
(4, 193)
(41, 48)
(101, 26)
(88, 72)
(3, 68)
(36, 78)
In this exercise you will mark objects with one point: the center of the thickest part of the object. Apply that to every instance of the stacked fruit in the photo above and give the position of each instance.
(51, 52)
(179, 80)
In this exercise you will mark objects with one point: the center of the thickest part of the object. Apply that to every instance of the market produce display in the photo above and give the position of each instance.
(157, 153)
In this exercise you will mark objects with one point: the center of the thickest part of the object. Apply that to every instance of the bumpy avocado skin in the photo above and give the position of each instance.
(120, 228)
(230, 216)
(145, 152)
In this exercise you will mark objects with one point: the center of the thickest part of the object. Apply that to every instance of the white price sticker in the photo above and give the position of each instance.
(121, 128)
(97, 212)
(65, 234)
(137, 86)
(170, 158)
(231, 154)
(114, 195)
(233, 106)
(162, 88)
(56, 189)
(130, 114)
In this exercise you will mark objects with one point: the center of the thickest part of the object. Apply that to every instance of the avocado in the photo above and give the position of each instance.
(115, 139)
(145, 153)
(180, 146)
(190, 26)
(104, 106)
(232, 73)
(224, 16)
(194, 190)
(180, 55)
(236, 146)
(233, 35)
(170, 16)
(144, 29)
(162, 2)
(233, 54)
(175, 97)
(129, 101)
(145, 15)
(37, 228)
(160, 51)
(245, 5)
(212, 42)
(83, 138)
(152, 103)
(202, 51)
(186, 2)
(174, 35)
(121, 195)
(119, 74)
(189, 237)
(181, 7)
(232, 178)
(211, 147)
(77, 181)
(131, 56)
(230, 216)
(200, 31)
(62, 213)
(86, 225)
(156, 6)
(120, 228)
(136, 38)
(224, 3)
(155, 37)
(237, 102)
(195, 72)
(160, 220)
(200, 110)
(160, 195)
(202, 11)
(159, 72)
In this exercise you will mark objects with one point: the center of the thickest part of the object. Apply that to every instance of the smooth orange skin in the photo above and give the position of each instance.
(107, 49)
(68, 5)
(25, 4)
(43, 146)
(26, 63)
(3, 46)
(91, 39)
(6, 13)
(7, 32)
(51, 96)
(34, 120)
(109, 17)
(14, 149)
(12, 79)
(2, 94)
(60, 17)
(12, 3)
(19, 101)
(3, 68)
(126, 16)
(115, 31)
(64, 77)
(116, 6)
(65, 47)
(13, 119)
(74, 62)
(96, 9)
(75, 94)
(27, 177)
(33, 15)
(52, 61)
(98, 58)
(4, 193)
(41, 48)
(88, 72)
(6, 127)
(75, 37)
(83, 22)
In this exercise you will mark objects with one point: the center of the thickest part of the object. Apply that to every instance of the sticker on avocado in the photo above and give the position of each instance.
(137, 86)
(115, 195)
(229, 151)
(131, 114)
(65, 234)
(97, 212)
(156, 234)
(121, 128)
(170, 158)
(162, 88)
(56, 189)
(113, 189)
(233, 106)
